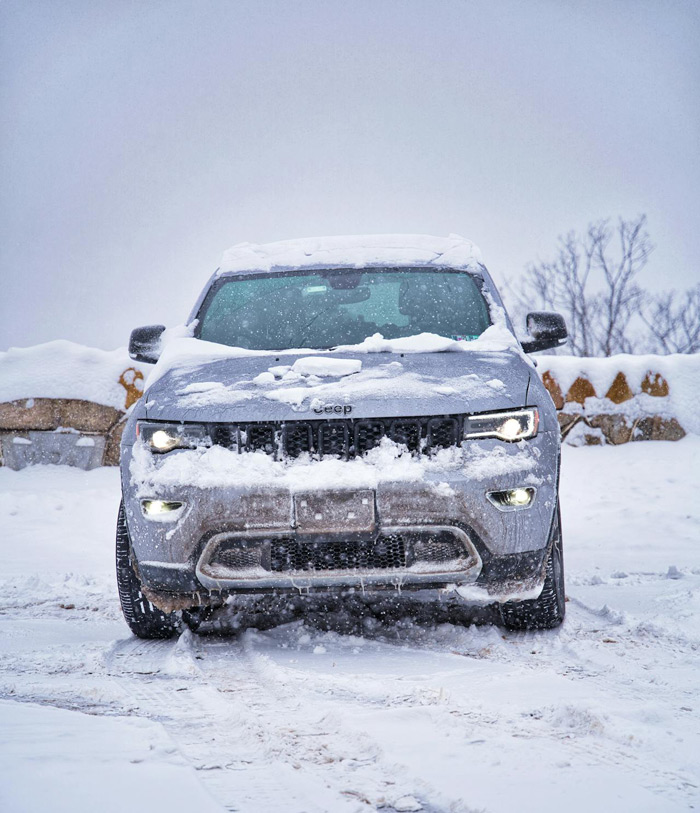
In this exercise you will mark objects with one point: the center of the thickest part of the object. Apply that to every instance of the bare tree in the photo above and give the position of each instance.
(674, 324)
(592, 282)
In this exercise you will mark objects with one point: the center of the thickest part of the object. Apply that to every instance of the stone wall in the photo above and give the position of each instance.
(622, 413)
(60, 430)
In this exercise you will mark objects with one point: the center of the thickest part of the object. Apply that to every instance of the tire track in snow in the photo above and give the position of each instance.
(631, 676)
(242, 719)
(255, 744)
(217, 733)
(266, 737)
(300, 730)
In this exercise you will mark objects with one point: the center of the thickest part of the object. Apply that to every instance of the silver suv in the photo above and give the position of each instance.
(342, 420)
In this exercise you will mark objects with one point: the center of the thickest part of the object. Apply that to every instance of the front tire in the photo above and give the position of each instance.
(145, 620)
(548, 610)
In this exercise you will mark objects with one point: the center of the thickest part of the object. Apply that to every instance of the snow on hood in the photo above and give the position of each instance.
(353, 251)
(323, 366)
(182, 352)
(418, 375)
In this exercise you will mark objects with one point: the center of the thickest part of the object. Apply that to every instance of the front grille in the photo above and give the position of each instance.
(287, 555)
(346, 438)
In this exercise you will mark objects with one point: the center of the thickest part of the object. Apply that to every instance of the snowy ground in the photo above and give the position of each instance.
(603, 714)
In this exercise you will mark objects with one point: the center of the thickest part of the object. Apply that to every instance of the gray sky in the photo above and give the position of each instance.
(142, 138)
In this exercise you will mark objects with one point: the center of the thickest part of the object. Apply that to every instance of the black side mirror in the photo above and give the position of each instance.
(144, 344)
(546, 330)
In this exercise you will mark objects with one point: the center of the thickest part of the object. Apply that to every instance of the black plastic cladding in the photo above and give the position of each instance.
(345, 438)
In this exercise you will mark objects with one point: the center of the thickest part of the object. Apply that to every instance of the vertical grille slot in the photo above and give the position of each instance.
(297, 438)
(442, 432)
(406, 432)
(368, 434)
(334, 438)
(260, 436)
(224, 434)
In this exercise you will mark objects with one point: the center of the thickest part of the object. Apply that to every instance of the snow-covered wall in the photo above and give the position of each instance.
(62, 402)
(634, 387)
(63, 369)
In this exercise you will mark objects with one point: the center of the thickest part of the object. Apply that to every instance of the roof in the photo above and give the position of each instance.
(358, 251)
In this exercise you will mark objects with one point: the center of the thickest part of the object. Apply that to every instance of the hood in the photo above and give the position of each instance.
(295, 385)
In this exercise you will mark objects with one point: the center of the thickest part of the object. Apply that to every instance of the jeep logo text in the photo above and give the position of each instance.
(338, 409)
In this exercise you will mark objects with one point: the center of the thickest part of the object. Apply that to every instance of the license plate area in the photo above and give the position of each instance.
(335, 512)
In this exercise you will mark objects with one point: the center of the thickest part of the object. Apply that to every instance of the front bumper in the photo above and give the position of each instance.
(498, 555)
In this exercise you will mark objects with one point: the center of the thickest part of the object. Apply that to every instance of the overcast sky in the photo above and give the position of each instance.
(140, 139)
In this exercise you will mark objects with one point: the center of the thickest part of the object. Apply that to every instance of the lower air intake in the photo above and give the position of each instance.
(291, 555)
(236, 557)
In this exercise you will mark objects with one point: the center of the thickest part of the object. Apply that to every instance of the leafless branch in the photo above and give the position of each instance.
(592, 281)
(674, 323)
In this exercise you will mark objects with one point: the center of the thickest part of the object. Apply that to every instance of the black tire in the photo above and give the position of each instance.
(144, 619)
(547, 611)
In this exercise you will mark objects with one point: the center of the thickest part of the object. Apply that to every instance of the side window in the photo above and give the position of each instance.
(216, 325)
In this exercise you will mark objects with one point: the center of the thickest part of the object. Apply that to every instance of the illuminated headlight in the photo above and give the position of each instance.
(164, 437)
(517, 424)
(160, 508)
(512, 498)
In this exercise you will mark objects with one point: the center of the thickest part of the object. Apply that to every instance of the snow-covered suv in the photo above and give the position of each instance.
(343, 417)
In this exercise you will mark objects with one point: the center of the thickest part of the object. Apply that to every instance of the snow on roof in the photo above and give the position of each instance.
(353, 251)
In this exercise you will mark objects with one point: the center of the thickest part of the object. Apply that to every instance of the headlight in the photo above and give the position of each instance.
(164, 437)
(517, 424)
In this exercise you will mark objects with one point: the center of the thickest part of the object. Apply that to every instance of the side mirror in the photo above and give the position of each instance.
(144, 344)
(546, 330)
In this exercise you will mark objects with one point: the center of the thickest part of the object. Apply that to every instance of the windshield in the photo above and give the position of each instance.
(326, 308)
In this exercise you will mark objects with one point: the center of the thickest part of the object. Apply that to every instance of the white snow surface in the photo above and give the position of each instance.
(355, 251)
(388, 462)
(387, 381)
(63, 369)
(600, 714)
(185, 354)
(681, 371)
(135, 759)
(325, 367)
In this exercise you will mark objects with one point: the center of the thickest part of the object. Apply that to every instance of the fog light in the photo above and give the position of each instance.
(512, 498)
(519, 496)
(157, 508)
